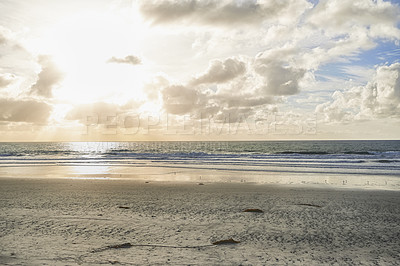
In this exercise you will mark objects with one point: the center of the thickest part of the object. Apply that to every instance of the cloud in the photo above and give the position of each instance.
(152, 88)
(48, 78)
(247, 100)
(16, 63)
(221, 71)
(202, 103)
(29, 111)
(223, 12)
(281, 75)
(10, 46)
(80, 111)
(280, 80)
(5, 80)
(179, 99)
(100, 110)
(129, 59)
(3, 39)
(380, 98)
(379, 18)
(109, 116)
(340, 31)
(233, 115)
(224, 87)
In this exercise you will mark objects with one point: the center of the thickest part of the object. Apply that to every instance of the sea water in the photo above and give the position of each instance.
(360, 162)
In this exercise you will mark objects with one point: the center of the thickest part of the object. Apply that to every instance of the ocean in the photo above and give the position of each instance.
(360, 162)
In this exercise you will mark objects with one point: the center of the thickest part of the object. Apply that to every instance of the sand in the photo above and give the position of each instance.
(133, 222)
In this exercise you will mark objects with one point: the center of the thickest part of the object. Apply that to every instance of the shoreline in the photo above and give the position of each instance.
(153, 172)
(316, 186)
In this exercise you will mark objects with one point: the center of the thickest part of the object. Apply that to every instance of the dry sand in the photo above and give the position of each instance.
(69, 222)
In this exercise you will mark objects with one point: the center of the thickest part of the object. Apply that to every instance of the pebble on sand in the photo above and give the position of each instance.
(226, 242)
(253, 210)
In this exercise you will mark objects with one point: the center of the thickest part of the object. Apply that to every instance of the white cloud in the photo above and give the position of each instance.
(344, 29)
(221, 71)
(223, 12)
(6, 39)
(342, 50)
(337, 17)
(14, 58)
(380, 98)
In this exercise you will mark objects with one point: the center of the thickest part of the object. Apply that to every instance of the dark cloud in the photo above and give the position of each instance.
(48, 78)
(221, 12)
(221, 71)
(129, 59)
(280, 80)
(24, 111)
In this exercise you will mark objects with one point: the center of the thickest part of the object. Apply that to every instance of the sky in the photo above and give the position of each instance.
(128, 70)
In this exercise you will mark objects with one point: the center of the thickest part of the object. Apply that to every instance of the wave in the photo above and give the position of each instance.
(359, 152)
(303, 152)
(257, 154)
(382, 157)
(387, 161)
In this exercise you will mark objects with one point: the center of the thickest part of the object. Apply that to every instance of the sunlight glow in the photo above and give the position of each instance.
(81, 45)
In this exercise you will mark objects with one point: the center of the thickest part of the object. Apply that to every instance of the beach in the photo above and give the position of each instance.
(200, 203)
(92, 221)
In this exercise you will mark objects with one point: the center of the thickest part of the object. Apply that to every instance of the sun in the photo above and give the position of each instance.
(82, 44)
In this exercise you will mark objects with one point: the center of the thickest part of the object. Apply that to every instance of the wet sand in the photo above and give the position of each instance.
(90, 222)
